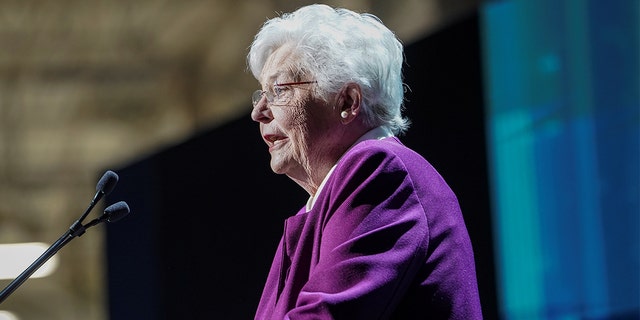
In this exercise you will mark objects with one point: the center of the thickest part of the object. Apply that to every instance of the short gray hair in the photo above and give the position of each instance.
(339, 46)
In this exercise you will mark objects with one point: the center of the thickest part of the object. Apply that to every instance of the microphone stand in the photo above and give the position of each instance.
(36, 265)
(76, 229)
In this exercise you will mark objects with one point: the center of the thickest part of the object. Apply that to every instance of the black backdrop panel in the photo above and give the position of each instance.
(207, 214)
(206, 217)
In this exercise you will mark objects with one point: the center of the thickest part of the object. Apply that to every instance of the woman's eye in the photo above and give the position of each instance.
(278, 90)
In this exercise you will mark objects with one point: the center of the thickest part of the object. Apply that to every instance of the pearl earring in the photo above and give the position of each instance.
(344, 114)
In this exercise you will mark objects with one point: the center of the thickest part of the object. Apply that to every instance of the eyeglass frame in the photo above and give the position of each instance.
(256, 97)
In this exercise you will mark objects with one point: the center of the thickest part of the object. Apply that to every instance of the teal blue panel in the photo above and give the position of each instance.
(563, 121)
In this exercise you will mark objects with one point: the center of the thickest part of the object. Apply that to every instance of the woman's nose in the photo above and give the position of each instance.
(261, 111)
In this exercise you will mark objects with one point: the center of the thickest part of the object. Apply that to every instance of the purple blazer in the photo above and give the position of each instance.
(384, 240)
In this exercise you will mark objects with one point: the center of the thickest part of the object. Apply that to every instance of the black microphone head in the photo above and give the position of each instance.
(116, 211)
(107, 182)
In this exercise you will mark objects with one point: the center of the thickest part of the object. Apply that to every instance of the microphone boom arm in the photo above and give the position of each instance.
(61, 242)
(77, 229)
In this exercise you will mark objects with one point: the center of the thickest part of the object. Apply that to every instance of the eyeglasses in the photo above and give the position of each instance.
(275, 94)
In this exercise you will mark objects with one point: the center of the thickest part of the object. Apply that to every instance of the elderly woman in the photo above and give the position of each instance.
(382, 235)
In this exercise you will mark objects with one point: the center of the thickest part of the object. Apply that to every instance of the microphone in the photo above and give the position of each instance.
(112, 213)
(116, 211)
(105, 185)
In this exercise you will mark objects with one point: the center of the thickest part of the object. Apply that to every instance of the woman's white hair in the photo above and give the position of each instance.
(339, 46)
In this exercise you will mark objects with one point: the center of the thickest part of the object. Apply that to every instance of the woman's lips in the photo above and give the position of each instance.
(274, 141)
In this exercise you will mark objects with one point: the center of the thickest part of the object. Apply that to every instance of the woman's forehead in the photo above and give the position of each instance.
(282, 63)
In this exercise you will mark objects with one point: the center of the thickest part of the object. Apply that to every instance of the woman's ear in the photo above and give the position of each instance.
(349, 102)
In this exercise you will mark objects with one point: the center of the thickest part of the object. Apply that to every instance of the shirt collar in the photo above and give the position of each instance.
(377, 133)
